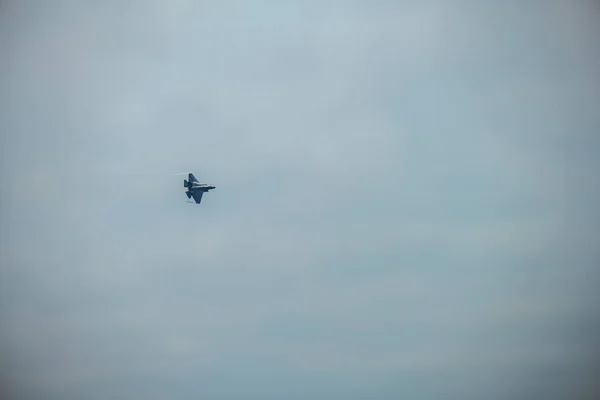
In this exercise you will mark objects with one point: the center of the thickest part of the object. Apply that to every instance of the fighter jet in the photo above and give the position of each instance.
(195, 189)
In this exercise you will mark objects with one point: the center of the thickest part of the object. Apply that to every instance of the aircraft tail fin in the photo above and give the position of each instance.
(189, 195)
(186, 183)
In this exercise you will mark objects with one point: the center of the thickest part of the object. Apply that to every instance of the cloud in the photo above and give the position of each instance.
(404, 200)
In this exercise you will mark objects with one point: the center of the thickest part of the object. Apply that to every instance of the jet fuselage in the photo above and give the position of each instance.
(204, 187)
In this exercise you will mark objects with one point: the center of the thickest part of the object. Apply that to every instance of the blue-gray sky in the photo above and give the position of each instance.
(406, 202)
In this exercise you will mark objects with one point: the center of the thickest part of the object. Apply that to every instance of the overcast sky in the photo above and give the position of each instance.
(406, 202)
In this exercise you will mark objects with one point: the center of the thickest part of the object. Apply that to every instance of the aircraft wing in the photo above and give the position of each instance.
(197, 197)
(192, 178)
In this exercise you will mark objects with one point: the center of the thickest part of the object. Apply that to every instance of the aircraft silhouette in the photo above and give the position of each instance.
(195, 189)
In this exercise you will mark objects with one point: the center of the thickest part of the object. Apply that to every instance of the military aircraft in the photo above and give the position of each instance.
(195, 189)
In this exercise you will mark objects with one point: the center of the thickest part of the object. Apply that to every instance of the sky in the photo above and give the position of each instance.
(406, 200)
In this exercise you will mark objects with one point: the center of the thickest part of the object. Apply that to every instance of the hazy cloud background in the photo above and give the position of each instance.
(406, 202)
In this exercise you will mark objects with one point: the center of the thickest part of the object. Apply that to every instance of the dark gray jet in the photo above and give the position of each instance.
(195, 189)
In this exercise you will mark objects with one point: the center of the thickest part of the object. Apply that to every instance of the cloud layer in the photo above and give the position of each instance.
(405, 204)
